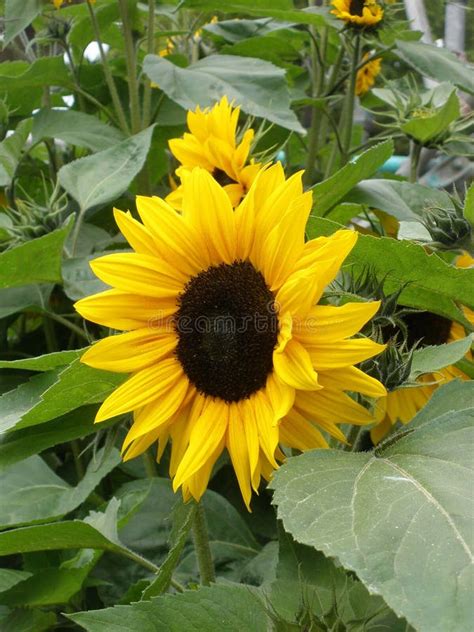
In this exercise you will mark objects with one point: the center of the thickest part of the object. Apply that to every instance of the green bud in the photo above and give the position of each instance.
(448, 227)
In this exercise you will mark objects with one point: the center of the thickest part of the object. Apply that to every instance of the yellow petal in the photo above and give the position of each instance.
(130, 352)
(299, 433)
(206, 435)
(237, 447)
(327, 323)
(281, 396)
(141, 388)
(293, 366)
(264, 417)
(331, 406)
(139, 274)
(123, 310)
(135, 233)
(335, 355)
(352, 379)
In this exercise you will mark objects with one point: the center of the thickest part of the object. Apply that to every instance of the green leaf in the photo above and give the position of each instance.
(233, 31)
(16, 265)
(45, 71)
(42, 363)
(18, 15)
(20, 444)
(433, 358)
(79, 280)
(229, 607)
(184, 516)
(329, 192)
(28, 621)
(103, 177)
(282, 10)
(469, 205)
(47, 587)
(428, 282)
(75, 128)
(9, 578)
(257, 86)
(31, 492)
(54, 393)
(16, 299)
(10, 152)
(397, 516)
(437, 63)
(430, 127)
(310, 587)
(403, 200)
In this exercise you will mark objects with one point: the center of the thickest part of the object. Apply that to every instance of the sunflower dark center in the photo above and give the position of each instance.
(227, 329)
(424, 328)
(357, 7)
(222, 178)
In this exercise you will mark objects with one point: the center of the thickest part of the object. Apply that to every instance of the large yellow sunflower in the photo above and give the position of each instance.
(358, 12)
(227, 345)
(402, 404)
(212, 144)
(367, 74)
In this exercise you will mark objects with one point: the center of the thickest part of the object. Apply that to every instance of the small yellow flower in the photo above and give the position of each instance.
(212, 144)
(164, 52)
(358, 12)
(366, 75)
(402, 404)
(226, 343)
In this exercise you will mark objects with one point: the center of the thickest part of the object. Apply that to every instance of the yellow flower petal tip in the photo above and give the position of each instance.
(366, 76)
(217, 362)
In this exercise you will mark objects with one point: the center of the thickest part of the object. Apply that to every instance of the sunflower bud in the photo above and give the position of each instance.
(448, 227)
(392, 367)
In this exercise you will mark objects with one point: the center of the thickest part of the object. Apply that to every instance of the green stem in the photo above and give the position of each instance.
(63, 321)
(108, 74)
(150, 464)
(415, 154)
(202, 548)
(131, 61)
(150, 49)
(346, 134)
(78, 464)
(318, 55)
(353, 439)
(142, 561)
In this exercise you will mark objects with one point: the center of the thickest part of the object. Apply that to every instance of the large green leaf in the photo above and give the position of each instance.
(46, 252)
(20, 444)
(9, 577)
(18, 15)
(10, 152)
(403, 200)
(229, 607)
(31, 492)
(398, 516)
(45, 71)
(310, 587)
(257, 86)
(428, 282)
(16, 299)
(327, 193)
(54, 393)
(27, 621)
(437, 63)
(103, 177)
(75, 128)
(433, 358)
(432, 126)
(44, 362)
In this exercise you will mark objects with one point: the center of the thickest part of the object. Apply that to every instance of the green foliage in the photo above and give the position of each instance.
(329, 500)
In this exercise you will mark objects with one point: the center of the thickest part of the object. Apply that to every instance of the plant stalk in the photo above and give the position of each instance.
(415, 154)
(150, 49)
(346, 134)
(131, 61)
(202, 548)
(108, 74)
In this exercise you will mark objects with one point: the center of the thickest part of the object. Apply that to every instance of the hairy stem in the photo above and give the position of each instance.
(150, 49)
(131, 61)
(202, 548)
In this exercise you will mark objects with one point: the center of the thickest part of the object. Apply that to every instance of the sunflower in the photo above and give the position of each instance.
(358, 12)
(227, 346)
(212, 145)
(402, 404)
(366, 75)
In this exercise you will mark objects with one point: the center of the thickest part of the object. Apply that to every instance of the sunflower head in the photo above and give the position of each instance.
(212, 143)
(367, 74)
(226, 343)
(358, 13)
